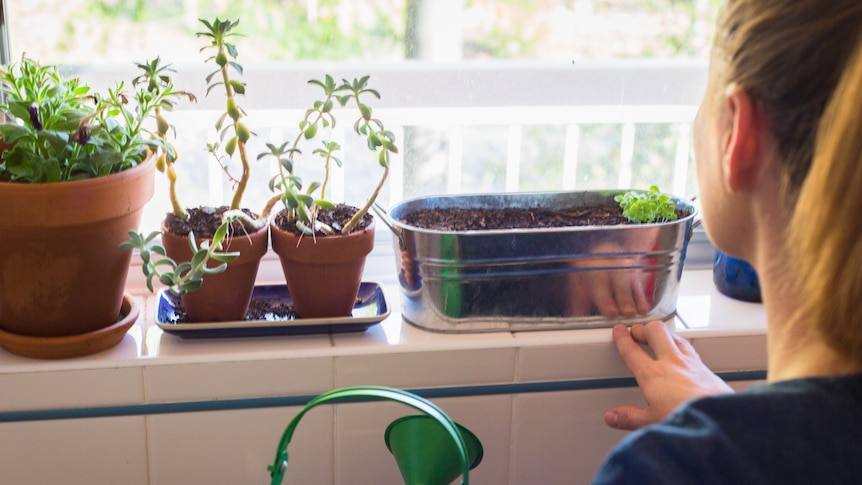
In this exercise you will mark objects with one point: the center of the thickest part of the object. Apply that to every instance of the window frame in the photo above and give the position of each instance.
(614, 80)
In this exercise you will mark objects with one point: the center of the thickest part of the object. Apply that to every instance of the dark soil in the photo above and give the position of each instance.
(509, 218)
(335, 218)
(455, 219)
(203, 221)
(259, 309)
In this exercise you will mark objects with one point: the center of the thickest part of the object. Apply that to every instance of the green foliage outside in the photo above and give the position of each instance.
(505, 29)
(364, 29)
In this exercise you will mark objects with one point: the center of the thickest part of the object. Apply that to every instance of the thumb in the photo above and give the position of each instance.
(627, 418)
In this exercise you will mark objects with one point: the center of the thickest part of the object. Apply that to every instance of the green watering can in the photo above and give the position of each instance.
(430, 448)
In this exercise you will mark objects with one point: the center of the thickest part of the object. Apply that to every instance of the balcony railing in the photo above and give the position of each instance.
(463, 127)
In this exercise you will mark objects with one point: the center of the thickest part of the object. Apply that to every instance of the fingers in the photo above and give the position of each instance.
(628, 418)
(603, 297)
(625, 286)
(628, 292)
(641, 302)
(634, 357)
(619, 294)
(657, 336)
(684, 346)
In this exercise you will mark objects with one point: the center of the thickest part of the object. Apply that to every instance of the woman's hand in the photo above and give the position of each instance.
(675, 375)
(604, 284)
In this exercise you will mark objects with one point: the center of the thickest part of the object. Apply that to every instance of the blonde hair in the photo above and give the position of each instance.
(826, 230)
(788, 55)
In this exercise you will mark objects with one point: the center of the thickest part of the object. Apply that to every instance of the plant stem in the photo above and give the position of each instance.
(364, 210)
(270, 204)
(177, 208)
(236, 202)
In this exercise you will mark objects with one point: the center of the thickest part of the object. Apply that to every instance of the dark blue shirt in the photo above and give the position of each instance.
(805, 431)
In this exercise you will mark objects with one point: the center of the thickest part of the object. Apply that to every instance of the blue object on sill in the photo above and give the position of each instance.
(735, 278)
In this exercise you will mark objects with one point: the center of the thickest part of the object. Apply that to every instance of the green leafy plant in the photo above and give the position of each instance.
(302, 207)
(183, 277)
(303, 204)
(647, 206)
(233, 133)
(156, 77)
(60, 131)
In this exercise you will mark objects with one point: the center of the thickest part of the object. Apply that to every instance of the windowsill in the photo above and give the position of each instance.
(151, 366)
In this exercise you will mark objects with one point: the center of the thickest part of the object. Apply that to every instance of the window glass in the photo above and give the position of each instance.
(483, 95)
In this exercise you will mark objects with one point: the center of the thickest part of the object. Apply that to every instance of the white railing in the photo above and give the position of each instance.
(454, 100)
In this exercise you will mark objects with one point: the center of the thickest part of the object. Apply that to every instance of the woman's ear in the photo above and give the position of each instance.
(741, 146)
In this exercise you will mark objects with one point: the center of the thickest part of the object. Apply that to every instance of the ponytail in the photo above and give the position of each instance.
(826, 229)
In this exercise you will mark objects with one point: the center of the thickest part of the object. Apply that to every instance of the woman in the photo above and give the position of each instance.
(774, 68)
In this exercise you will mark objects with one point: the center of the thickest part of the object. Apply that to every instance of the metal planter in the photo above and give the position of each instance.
(536, 279)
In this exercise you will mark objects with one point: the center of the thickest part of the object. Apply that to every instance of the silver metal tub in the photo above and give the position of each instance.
(536, 279)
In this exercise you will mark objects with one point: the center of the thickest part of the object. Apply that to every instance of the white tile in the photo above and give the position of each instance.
(425, 369)
(738, 353)
(237, 446)
(362, 456)
(559, 438)
(71, 388)
(396, 335)
(542, 338)
(702, 306)
(246, 378)
(567, 362)
(578, 354)
(490, 419)
(74, 452)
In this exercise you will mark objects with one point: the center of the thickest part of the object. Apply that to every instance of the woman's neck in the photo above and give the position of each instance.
(794, 348)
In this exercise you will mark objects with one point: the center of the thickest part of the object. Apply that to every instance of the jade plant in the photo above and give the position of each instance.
(233, 133)
(58, 130)
(302, 203)
(302, 207)
(185, 277)
(647, 206)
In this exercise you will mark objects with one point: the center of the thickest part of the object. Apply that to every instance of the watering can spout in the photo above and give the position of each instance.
(425, 452)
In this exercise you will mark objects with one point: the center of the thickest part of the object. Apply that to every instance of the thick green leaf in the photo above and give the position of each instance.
(225, 257)
(199, 258)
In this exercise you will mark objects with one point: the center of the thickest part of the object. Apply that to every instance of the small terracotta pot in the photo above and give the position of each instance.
(223, 297)
(61, 270)
(324, 273)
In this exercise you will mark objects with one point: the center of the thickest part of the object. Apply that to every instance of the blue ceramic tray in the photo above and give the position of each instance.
(371, 308)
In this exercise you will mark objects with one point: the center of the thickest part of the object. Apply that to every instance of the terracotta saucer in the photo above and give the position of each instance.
(74, 345)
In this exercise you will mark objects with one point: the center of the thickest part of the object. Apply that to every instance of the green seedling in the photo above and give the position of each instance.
(646, 207)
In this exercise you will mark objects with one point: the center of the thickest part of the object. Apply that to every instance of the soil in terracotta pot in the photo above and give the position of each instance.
(203, 221)
(456, 219)
(336, 218)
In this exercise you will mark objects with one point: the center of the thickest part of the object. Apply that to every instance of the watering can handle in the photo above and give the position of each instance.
(378, 393)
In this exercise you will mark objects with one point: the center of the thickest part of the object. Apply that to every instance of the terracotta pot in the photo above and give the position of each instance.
(324, 273)
(61, 272)
(75, 345)
(223, 297)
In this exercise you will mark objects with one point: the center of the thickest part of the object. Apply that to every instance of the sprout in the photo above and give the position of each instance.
(647, 206)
